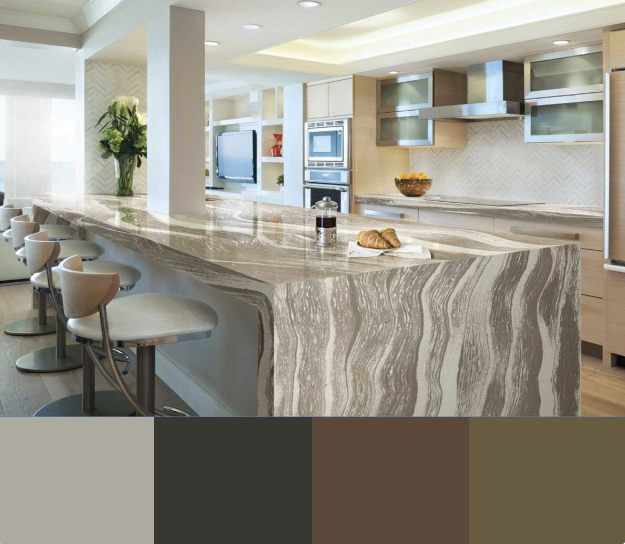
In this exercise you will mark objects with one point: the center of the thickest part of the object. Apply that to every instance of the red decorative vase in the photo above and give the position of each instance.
(276, 150)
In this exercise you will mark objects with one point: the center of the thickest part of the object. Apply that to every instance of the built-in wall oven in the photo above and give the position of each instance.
(333, 183)
(328, 162)
(327, 143)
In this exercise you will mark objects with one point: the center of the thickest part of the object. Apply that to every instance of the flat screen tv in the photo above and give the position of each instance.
(236, 156)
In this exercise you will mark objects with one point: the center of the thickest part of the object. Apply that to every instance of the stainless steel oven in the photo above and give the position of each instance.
(333, 183)
(327, 143)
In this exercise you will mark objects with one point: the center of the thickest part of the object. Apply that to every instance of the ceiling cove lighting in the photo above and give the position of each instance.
(561, 42)
(211, 43)
(251, 26)
(394, 72)
(309, 4)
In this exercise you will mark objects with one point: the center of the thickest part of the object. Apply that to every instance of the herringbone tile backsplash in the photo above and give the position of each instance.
(103, 82)
(497, 163)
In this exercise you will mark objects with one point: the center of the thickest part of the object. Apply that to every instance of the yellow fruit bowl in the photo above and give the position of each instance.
(413, 186)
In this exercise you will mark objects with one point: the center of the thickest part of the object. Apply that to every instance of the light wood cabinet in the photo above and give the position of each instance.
(317, 101)
(341, 98)
(589, 237)
(615, 312)
(593, 320)
(593, 275)
(330, 99)
(616, 48)
(460, 220)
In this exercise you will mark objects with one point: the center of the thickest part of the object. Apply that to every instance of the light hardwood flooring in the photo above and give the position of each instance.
(21, 394)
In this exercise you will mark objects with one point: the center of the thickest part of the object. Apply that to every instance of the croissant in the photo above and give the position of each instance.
(391, 237)
(373, 240)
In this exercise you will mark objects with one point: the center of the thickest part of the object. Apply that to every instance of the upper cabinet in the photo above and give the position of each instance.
(564, 96)
(405, 93)
(399, 100)
(330, 99)
(560, 73)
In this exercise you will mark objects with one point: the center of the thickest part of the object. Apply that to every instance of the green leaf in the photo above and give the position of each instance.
(107, 155)
(139, 162)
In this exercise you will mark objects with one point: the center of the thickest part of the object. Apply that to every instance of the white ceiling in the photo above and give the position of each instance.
(73, 16)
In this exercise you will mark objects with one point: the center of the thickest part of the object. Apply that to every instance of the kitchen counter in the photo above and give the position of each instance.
(583, 216)
(490, 326)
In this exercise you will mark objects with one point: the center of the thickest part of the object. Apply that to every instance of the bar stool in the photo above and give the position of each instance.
(41, 255)
(142, 321)
(21, 226)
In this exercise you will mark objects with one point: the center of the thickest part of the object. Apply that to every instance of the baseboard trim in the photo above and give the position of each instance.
(201, 400)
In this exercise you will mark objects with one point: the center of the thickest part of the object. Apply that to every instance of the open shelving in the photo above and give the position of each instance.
(251, 107)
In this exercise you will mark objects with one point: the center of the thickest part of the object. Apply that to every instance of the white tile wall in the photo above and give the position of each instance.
(104, 81)
(497, 163)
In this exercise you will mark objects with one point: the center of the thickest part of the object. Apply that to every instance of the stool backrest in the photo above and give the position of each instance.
(82, 292)
(40, 250)
(21, 227)
(7, 213)
(28, 210)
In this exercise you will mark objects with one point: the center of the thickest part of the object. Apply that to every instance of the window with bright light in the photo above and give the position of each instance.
(2, 144)
(63, 146)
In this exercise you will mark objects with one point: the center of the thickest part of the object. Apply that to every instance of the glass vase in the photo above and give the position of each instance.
(125, 171)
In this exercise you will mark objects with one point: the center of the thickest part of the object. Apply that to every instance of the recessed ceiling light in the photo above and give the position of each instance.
(251, 26)
(211, 43)
(394, 72)
(309, 4)
(561, 42)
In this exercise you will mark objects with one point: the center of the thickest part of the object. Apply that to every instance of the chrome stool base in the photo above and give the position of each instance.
(107, 404)
(46, 360)
(31, 327)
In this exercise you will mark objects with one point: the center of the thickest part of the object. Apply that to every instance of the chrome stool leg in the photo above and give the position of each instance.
(55, 359)
(90, 403)
(35, 326)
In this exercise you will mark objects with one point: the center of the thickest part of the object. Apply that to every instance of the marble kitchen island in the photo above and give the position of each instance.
(489, 326)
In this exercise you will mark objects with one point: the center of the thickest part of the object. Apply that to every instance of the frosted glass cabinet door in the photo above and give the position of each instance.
(404, 129)
(566, 119)
(405, 93)
(561, 73)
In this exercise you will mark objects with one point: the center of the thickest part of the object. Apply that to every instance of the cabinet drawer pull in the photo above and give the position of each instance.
(573, 236)
(384, 214)
(614, 268)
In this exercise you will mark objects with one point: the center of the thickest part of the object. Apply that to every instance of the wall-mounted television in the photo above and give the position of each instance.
(236, 156)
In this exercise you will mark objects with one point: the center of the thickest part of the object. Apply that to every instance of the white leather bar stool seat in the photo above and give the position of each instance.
(56, 233)
(147, 319)
(128, 275)
(88, 251)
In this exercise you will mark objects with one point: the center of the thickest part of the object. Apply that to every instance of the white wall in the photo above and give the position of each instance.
(497, 163)
(104, 81)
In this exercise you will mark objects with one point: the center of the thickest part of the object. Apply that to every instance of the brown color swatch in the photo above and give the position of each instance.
(546, 481)
(388, 481)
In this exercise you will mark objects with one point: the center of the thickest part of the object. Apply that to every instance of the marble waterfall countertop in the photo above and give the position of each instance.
(489, 326)
(583, 216)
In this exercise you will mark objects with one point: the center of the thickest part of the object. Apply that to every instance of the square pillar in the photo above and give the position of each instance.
(176, 135)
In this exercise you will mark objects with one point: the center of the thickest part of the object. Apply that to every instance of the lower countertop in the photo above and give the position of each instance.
(583, 216)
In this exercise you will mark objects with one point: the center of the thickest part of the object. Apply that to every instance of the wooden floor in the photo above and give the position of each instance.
(21, 394)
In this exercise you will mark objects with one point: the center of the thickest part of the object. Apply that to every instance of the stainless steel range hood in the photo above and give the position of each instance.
(495, 92)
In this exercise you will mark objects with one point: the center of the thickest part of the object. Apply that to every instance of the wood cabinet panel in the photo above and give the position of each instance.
(593, 275)
(593, 320)
(341, 98)
(617, 166)
(317, 101)
(616, 50)
(589, 238)
(615, 312)
(474, 222)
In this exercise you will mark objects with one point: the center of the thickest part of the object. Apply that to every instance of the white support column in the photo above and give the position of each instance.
(176, 80)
